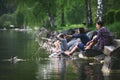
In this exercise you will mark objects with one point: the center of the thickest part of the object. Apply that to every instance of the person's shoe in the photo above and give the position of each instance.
(82, 56)
(52, 55)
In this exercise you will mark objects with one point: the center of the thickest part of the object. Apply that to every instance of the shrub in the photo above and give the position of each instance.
(115, 28)
(20, 19)
(6, 24)
(70, 26)
(110, 17)
(117, 16)
(7, 18)
(104, 18)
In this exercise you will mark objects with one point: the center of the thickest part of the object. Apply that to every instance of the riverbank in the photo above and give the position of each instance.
(47, 42)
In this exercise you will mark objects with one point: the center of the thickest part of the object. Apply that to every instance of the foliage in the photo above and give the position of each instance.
(75, 15)
(74, 12)
(115, 28)
(104, 18)
(20, 19)
(52, 13)
(94, 9)
(7, 7)
(70, 26)
(7, 18)
(110, 17)
(117, 16)
(6, 24)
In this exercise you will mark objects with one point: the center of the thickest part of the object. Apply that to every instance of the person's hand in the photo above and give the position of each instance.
(88, 43)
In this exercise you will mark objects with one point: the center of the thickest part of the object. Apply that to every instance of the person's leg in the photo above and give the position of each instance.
(72, 51)
(57, 45)
(80, 46)
(77, 46)
(72, 42)
(92, 52)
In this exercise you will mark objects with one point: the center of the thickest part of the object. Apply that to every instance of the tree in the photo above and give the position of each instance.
(7, 6)
(100, 10)
(88, 12)
(61, 11)
(20, 19)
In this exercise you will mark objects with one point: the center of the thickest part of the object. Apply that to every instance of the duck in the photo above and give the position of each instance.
(14, 59)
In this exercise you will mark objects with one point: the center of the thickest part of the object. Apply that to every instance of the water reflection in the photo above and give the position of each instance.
(55, 68)
(62, 67)
(66, 69)
(38, 66)
(45, 70)
(88, 72)
(21, 44)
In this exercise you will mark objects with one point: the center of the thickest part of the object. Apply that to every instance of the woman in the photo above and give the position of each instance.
(103, 38)
(84, 39)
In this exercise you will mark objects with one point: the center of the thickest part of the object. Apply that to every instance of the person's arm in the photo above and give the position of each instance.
(58, 37)
(99, 34)
(69, 36)
(91, 43)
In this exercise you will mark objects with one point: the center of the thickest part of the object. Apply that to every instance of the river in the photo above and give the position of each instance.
(34, 63)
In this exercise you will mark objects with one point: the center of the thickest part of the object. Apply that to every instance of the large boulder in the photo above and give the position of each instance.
(112, 61)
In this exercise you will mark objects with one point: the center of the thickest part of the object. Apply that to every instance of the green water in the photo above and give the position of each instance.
(37, 65)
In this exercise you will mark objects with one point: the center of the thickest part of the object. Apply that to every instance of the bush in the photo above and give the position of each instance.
(115, 28)
(20, 19)
(117, 16)
(70, 26)
(7, 19)
(7, 24)
(104, 18)
(110, 17)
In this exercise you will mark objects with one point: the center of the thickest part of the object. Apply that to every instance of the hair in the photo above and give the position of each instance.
(62, 35)
(100, 23)
(82, 30)
(71, 31)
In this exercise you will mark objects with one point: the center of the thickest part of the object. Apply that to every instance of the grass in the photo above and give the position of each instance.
(61, 28)
(115, 28)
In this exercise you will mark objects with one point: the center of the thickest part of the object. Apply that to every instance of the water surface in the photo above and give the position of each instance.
(37, 65)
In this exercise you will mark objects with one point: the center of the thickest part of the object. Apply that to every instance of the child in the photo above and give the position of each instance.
(60, 45)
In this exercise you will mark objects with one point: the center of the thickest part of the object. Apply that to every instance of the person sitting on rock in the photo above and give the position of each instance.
(95, 46)
(61, 43)
(84, 39)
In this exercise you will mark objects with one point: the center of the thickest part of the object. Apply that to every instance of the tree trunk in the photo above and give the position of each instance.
(88, 13)
(51, 19)
(51, 22)
(99, 11)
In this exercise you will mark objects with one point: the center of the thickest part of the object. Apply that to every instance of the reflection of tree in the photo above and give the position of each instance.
(80, 67)
(88, 72)
(46, 70)
(62, 67)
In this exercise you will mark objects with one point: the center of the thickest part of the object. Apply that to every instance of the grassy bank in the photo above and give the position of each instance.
(61, 28)
(115, 28)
